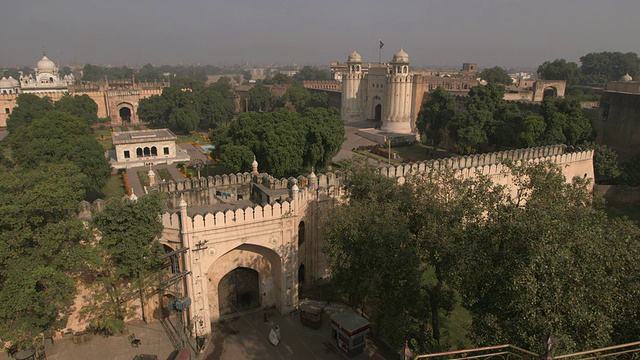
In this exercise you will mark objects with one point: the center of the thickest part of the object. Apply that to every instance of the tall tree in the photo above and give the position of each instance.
(81, 106)
(439, 204)
(496, 75)
(436, 114)
(258, 98)
(130, 258)
(371, 262)
(236, 158)
(532, 265)
(59, 137)
(43, 245)
(560, 69)
(599, 68)
(30, 107)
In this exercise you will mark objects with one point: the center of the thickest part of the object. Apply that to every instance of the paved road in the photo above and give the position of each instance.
(353, 140)
(246, 337)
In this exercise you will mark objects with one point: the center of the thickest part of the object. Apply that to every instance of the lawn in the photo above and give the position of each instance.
(416, 152)
(186, 139)
(104, 138)
(164, 174)
(143, 177)
(113, 188)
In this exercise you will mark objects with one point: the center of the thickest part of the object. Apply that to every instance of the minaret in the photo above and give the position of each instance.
(254, 165)
(352, 94)
(397, 117)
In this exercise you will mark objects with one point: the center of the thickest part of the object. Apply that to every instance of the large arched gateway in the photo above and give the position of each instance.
(247, 277)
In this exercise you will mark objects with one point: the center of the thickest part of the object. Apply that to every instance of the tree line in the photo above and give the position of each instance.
(596, 69)
(488, 122)
(283, 142)
(46, 251)
(523, 263)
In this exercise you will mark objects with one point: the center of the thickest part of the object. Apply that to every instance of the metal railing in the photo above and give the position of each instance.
(630, 351)
(491, 352)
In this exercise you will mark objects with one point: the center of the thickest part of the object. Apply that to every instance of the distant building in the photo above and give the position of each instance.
(117, 100)
(390, 95)
(146, 147)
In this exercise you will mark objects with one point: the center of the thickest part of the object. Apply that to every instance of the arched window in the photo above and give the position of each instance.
(139, 152)
(301, 231)
(147, 152)
(154, 151)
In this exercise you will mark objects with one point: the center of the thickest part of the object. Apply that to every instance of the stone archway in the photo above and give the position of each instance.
(239, 290)
(125, 114)
(549, 92)
(247, 277)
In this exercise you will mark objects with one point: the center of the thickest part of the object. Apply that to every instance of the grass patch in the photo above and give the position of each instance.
(456, 326)
(113, 188)
(420, 152)
(104, 138)
(143, 177)
(187, 139)
(164, 174)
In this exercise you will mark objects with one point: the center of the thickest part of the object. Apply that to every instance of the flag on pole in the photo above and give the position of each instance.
(381, 44)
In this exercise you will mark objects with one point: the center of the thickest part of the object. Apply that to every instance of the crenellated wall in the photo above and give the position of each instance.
(282, 241)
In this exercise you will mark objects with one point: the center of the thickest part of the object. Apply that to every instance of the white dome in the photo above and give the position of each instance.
(46, 65)
(14, 81)
(626, 78)
(354, 57)
(401, 57)
(5, 83)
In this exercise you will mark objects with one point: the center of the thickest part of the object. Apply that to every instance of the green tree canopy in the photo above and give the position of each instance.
(236, 158)
(560, 69)
(30, 107)
(43, 245)
(496, 75)
(436, 114)
(284, 141)
(531, 267)
(81, 106)
(59, 137)
(602, 67)
(298, 96)
(258, 98)
(129, 256)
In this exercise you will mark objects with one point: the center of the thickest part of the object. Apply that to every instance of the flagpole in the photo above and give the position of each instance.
(380, 52)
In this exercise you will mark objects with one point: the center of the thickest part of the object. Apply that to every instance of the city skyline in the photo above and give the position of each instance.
(437, 32)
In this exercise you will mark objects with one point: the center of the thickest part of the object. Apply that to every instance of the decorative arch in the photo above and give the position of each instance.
(125, 112)
(264, 262)
(550, 91)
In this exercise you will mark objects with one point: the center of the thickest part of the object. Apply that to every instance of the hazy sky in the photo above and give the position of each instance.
(432, 32)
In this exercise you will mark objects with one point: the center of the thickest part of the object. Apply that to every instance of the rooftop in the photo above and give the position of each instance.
(142, 136)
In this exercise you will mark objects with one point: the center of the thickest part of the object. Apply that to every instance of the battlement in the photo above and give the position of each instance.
(490, 163)
(230, 217)
(323, 85)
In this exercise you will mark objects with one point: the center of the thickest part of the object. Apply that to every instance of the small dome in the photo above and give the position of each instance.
(46, 65)
(14, 81)
(626, 78)
(5, 83)
(401, 57)
(254, 163)
(295, 188)
(354, 57)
